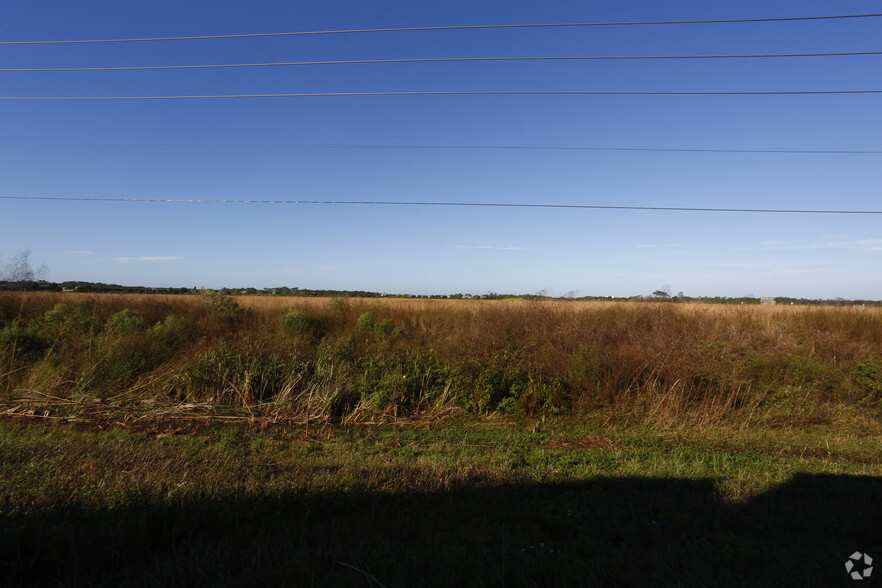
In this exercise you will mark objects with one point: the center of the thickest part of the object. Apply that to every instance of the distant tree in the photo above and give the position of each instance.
(664, 293)
(20, 271)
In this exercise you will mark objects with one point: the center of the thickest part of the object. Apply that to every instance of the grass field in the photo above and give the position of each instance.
(205, 441)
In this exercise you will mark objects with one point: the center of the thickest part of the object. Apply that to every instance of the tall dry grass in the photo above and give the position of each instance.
(368, 359)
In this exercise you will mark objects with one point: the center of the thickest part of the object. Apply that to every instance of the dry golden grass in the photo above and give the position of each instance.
(421, 304)
(663, 361)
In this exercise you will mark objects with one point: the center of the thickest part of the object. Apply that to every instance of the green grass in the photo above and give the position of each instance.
(464, 502)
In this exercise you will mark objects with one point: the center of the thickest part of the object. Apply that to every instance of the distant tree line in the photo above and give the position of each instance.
(33, 285)
(91, 287)
(19, 274)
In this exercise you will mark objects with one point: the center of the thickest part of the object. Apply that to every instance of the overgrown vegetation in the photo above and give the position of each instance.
(354, 360)
(213, 441)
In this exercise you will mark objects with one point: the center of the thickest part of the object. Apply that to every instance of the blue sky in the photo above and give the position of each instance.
(434, 250)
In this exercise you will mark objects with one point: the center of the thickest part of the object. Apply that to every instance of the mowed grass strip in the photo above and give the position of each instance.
(471, 502)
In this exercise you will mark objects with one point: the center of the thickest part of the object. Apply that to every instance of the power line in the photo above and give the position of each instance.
(440, 147)
(437, 60)
(449, 28)
(464, 204)
(455, 93)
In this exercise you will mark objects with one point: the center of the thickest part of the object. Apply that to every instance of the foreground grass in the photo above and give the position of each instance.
(459, 502)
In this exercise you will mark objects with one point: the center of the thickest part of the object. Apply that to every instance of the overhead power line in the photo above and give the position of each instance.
(454, 93)
(440, 59)
(450, 28)
(440, 147)
(464, 204)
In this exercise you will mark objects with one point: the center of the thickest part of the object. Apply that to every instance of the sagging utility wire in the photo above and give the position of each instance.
(452, 28)
(463, 204)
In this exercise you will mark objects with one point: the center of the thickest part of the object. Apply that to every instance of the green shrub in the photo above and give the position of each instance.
(220, 306)
(499, 380)
(125, 321)
(73, 319)
(25, 342)
(868, 377)
(366, 322)
(403, 381)
(168, 328)
(295, 321)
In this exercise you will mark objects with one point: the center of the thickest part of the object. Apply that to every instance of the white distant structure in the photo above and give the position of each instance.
(767, 300)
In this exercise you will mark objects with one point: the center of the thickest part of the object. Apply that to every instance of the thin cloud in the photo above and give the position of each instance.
(659, 245)
(78, 252)
(149, 259)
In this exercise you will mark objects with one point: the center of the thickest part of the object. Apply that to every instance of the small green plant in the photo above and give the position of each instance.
(220, 305)
(868, 376)
(366, 322)
(18, 340)
(78, 318)
(167, 328)
(295, 321)
(125, 321)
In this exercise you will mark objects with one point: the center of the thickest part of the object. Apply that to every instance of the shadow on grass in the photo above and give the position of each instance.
(629, 532)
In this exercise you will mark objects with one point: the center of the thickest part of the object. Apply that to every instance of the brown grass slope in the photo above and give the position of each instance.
(312, 360)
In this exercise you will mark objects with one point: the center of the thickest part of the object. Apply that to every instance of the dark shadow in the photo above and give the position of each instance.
(608, 532)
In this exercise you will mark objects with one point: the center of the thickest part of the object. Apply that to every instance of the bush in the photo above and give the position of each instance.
(295, 321)
(76, 319)
(125, 321)
(366, 322)
(167, 329)
(220, 306)
(24, 342)
(868, 377)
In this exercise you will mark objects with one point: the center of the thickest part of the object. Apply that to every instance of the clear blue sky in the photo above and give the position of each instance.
(425, 250)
